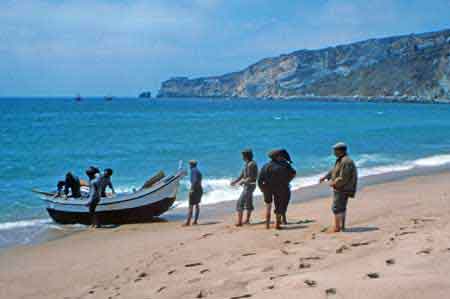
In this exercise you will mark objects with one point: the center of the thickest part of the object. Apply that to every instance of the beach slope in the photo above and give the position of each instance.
(397, 246)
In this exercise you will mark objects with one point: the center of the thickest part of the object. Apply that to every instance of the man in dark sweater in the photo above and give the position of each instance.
(274, 180)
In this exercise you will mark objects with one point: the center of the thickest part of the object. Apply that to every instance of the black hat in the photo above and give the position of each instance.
(92, 171)
(284, 153)
(273, 153)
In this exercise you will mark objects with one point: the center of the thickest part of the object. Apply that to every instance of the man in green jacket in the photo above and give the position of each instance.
(343, 178)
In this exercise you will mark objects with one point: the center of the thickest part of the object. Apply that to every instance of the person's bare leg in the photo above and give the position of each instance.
(278, 219)
(197, 214)
(268, 214)
(239, 218)
(337, 223)
(343, 221)
(249, 215)
(189, 216)
(285, 222)
(95, 222)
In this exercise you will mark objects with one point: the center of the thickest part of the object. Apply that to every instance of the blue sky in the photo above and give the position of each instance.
(100, 47)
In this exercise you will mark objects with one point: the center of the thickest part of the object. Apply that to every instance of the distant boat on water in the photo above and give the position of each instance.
(78, 98)
(145, 95)
(108, 98)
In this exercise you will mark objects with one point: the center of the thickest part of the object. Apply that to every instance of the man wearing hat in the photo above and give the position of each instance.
(195, 193)
(274, 181)
(343, 178)
(247, 179)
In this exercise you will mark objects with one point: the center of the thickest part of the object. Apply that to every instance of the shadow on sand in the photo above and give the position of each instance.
(209, 223)
(360, 229)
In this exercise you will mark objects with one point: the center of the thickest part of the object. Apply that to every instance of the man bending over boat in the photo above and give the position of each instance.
(72, 184)
(195, 193)
(94, 194)
(105, 181)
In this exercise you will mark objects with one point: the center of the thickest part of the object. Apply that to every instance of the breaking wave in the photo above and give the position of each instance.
(219, 190)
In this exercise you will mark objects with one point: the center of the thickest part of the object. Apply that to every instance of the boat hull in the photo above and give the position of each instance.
(141, 206)
(140, 214)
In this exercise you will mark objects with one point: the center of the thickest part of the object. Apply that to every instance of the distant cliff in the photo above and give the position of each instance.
(415, 66)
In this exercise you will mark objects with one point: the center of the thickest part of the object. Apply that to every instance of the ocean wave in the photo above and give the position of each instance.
(24, 224)
(219, 190)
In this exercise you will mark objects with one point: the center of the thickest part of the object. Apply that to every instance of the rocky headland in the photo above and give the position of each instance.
(412, 68)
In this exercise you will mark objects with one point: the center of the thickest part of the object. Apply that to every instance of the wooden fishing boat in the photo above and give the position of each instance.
(143, 205)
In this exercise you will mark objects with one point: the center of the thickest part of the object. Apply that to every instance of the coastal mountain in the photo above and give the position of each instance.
(410, 67)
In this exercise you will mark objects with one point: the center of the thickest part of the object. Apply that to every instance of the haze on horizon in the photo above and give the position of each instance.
(123, 47)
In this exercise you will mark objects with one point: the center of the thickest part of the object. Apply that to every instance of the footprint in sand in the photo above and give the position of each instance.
(193, 265)
(424, 251)
(390, 262)
(310, 258)
(310, 283)
(194, 280)
(405, 233)
(362, 243)
(161, 289)
(278, 276)
(373, 275)
(304, 266)
(342, 249)
(330, 291)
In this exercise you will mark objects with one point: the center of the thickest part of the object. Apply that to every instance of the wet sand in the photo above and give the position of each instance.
(397, 246)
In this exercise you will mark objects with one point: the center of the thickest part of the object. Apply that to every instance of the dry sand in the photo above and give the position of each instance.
(397, 246)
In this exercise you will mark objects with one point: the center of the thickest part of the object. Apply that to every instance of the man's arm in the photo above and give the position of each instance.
(234, 182)
(110, 185)
(252, 174)
(293, 173)
(326, 177)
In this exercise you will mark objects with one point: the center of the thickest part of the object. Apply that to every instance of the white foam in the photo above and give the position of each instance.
(219, 190)
(433, 161)
(24, 224)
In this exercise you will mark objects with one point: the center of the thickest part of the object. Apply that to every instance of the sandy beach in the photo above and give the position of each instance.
(397, 246)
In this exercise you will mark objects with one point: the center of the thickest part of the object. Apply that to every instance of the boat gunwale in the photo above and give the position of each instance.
(174, 178)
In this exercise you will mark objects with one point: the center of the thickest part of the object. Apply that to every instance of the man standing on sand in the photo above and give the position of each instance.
(274, 180)
(195, 193)
(343, 178)
(94, 194)
(247, 179)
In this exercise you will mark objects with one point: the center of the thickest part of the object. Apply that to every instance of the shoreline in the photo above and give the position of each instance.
(327, 99)
(405, 222)
(210, 212)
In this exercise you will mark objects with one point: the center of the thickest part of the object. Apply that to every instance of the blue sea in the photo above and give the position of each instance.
(43, 138)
